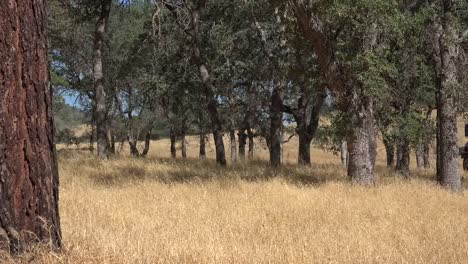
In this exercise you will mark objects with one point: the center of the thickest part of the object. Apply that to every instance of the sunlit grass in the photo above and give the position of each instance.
(157, 210)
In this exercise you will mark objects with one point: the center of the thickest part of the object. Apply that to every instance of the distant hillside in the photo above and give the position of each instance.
(66, 116)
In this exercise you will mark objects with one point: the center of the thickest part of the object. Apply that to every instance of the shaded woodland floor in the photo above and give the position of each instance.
(158, 210)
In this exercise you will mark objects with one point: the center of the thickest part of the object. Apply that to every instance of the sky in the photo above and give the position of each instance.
(70, 99)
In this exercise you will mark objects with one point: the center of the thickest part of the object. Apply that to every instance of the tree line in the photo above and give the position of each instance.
(238, 67)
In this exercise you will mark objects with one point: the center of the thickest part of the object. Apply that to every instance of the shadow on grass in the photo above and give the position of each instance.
(124, 170)
(192, 171)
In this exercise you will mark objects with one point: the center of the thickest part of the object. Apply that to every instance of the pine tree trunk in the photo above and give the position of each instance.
(447, 168)
(242, 143)
(28, 168)
(99, 79)
(276, 126)
(361, 160)
(232, 137)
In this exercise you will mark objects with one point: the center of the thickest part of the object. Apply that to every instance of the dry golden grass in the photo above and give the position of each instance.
(156, 210)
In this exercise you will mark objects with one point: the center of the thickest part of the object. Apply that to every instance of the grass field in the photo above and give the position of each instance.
(157, 210)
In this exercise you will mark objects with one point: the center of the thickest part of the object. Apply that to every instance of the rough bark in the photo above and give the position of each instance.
(445, 36)
(99, 78)
(28, 168)
(361, 157)
(207, 86)
(276, 126)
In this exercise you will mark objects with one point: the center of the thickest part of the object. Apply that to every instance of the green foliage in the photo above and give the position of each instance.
(153, 81)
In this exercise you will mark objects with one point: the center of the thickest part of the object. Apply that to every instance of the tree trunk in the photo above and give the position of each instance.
(122, 145)
(304, 150)
(132, 141)
(173, 137)
(427, 156)
(403, 156)
(232, 137)
(112, 142)
(91, 139)
(373, 142)
(99, 79)
(399, 157)
(184, 146)
(390, 152)
(202, 153)
(282, 146)
(361, 140)
(447, 157)
(419, 152)
(147, 144)
(28, 168)
(360, 164)
(276, 127)
(465, 156)
(307, 125)
(251, 143)
(344, 153)
(208, 89)
(242, 143)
